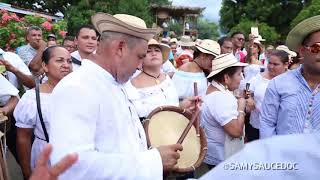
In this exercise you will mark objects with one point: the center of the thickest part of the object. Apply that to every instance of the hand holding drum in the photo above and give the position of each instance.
(170, 155)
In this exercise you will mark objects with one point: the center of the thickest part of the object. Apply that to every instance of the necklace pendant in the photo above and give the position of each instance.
(157, 81)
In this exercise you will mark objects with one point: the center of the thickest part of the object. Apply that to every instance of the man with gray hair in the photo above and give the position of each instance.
(107, 134)
(32, 52)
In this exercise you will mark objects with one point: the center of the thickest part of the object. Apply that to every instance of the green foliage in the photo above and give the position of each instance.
(12, 29)
(312, 9)
(274, 13)
(175, 27)
(207, 30)
(80, 14)
(267, 32)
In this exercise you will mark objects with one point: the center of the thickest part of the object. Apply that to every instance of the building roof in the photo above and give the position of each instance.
(176, 10)
(18, 10)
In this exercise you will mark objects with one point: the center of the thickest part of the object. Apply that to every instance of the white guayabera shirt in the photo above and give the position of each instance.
(92, 116)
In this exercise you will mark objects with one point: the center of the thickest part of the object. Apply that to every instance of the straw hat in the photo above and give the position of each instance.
(260, 38)
(186, 41)
(165, 49)
(122, 23)
(209, 46)
(224, 61)
(173, 40)
(287, 50)
(301, 31)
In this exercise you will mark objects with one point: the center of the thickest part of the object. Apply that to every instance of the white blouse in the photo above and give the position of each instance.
(258, 85)
(26, 116)
(218, 109)
(6, 90)
(149, 98)
(184, 81)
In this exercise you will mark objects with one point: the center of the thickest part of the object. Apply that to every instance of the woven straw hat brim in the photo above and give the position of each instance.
(105, 22)
(224, 61)
(207, 51)
(301, 31)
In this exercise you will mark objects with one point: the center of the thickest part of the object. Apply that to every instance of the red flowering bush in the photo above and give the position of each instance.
(13, 28)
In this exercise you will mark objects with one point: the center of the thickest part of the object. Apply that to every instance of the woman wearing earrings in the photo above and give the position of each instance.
(153, 88)
(56, 62)
(222, 114)
(278, 64)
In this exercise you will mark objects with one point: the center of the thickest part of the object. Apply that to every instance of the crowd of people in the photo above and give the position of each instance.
(92, 94)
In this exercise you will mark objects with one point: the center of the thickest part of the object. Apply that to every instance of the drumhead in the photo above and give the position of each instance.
(165, 127)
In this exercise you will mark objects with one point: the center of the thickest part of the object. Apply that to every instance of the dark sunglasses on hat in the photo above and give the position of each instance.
(315, 48)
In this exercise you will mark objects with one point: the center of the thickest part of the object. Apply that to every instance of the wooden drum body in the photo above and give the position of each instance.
(165, 125)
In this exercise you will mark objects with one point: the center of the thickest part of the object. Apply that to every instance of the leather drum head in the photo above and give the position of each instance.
(166, 127)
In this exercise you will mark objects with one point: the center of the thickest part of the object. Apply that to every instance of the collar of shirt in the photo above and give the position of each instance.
(96, 69)
(76, 55)
(298, 73)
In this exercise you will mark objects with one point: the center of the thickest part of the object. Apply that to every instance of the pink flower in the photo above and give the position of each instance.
(15, 17)
(5, 17)
(63, 33)
(47, 25)
(2, 11)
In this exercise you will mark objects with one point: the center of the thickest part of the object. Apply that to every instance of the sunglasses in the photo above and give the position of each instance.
(315, 48)
(240, 39)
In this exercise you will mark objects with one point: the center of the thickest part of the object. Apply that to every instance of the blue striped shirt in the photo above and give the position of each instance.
(285, 106)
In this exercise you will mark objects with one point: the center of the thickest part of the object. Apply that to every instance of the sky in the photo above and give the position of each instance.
(212, 7)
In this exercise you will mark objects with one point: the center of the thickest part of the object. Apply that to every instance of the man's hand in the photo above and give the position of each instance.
(169, 156)
(8, 66)
(42, 170)
(190, 102)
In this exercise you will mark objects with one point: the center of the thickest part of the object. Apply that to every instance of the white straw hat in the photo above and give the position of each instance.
(186, 41)
(209, 46)
(224, 61)
(287, 50)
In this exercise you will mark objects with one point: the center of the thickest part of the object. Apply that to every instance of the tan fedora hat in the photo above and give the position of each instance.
(224, 61)
(186, 41)
(173, 40)
(165, 49)
(122, 23)
(287, 50)
(209, 46)
(301, 31)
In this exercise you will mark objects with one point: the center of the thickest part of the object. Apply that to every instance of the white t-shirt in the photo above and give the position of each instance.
(258, 85)
(147, 99)
(17, 62)
(6, 90)
(218, 109)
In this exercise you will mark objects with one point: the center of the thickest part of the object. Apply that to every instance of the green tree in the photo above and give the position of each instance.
(81, 13)
(267, 32)
(275, 13)
(207, 29)
(312, 9)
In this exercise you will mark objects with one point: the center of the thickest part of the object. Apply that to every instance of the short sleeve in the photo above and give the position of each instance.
(223, 107)
(6, 88)
(25, 112)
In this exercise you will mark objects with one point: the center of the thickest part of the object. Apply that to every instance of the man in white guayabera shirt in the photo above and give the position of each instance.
(92, 116)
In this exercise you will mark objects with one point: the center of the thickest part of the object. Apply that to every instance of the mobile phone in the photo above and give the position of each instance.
(255, 31)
